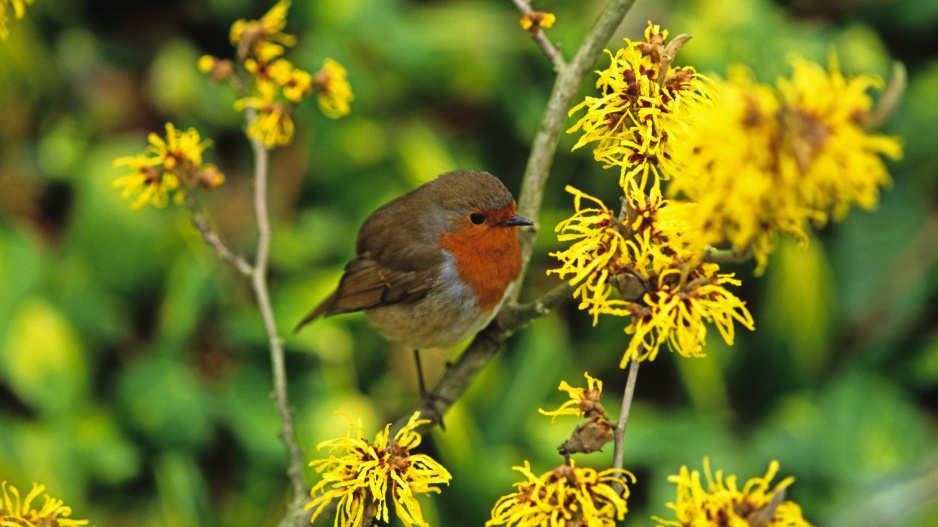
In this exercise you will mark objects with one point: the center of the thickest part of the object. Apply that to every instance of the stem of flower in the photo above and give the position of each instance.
(278, 366)
(731, 255)
(552, 52)
(212, 239)
(624, 413)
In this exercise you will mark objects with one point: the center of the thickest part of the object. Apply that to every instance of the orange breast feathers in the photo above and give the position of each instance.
(488, 256)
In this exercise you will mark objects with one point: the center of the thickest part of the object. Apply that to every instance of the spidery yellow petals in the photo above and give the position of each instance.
(171, 166)
(362, 474)
(721, 502)
(17, 512)
(631, 121)
(566, 495)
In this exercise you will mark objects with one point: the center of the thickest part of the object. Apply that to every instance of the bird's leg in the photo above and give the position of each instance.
(429, 399)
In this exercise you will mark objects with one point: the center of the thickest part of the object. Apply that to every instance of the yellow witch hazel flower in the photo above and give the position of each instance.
(363, 474)
(760, 160)
(565, 496)
(839, 161)
(678, 310)
(723, 504)
(533, 21)
(600, 252)
(172, 166)
(333, 90)
(593, 433)
(19, 10)
(150, 182)
(584, 402)
(15, 512)
(639, 108)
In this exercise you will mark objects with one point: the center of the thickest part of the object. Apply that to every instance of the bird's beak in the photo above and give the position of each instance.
(516, 221)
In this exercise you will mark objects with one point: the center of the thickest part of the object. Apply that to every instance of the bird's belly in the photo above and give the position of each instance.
(446, 316)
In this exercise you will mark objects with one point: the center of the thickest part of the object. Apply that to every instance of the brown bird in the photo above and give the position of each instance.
(433, 266)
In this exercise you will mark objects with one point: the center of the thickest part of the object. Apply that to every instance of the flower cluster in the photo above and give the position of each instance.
(275, 83)
(15, 512)
(19, 9)
(363, 474)
(565, 496)
(593, 433)
(170, 166)
(641, 104)
(723, 503)
(667, 290)
(762, 160)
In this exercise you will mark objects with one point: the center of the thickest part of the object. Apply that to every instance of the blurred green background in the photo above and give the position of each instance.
(134, 372)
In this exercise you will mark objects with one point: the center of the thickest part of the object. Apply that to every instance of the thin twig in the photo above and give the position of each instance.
(552, 51)
(624, 414)
(211, 238)
(259, 282)
(295, 515)
(891, 98)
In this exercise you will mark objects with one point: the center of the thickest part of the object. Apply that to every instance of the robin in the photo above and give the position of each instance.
(433, 266)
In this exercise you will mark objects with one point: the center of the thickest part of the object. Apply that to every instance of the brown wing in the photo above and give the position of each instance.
(397, 257)
(368, 284)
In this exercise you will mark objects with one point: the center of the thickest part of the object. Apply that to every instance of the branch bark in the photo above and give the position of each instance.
(623, 421)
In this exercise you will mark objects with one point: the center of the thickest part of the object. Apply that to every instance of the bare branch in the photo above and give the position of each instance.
(552, 51)
(624, 413)
(211, 238)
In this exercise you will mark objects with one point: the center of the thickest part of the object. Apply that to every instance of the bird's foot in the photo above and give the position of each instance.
(431, 403)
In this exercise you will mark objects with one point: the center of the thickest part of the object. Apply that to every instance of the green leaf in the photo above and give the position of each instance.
(165, 401)
(43, 358)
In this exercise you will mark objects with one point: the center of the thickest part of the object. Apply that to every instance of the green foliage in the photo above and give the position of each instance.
(134, 375)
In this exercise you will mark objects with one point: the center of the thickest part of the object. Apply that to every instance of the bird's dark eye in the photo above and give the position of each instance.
(477, 218)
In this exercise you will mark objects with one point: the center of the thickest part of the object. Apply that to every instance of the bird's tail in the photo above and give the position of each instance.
(314, 314)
